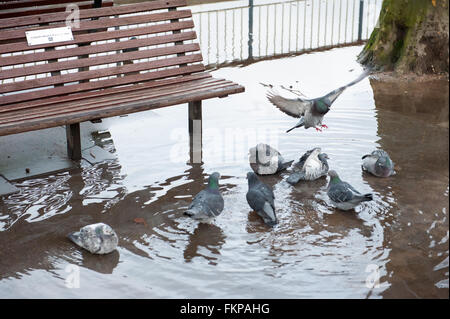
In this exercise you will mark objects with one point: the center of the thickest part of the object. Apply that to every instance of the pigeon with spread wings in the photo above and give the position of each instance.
(310, 111)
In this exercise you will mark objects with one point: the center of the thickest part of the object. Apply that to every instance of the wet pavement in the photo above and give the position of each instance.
(315, 251)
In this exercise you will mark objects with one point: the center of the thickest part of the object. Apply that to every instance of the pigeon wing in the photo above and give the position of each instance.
(199, 199)
(215, 204)
(340, 193)
(267, 193)
(255, 199)
(350, 187)
(303, 159)
(210, 203)
(292, 107)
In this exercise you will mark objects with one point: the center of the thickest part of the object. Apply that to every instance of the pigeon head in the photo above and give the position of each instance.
(213, 181)
(384, 166)
(334, 177)
(323, 157)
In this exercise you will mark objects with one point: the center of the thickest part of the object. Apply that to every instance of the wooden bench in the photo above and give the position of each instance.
(123, 59)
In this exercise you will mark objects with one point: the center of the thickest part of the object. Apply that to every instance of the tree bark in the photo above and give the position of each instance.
(411, 36)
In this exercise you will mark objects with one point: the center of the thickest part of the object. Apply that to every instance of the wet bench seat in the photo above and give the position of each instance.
(123, 59)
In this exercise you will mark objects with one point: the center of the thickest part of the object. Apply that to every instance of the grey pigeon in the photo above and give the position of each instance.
(265, 160)
(96, 238)
(311, 166)
(378, 163)
(260, 197)
(343, 195)
(310, 111)
(208, 203)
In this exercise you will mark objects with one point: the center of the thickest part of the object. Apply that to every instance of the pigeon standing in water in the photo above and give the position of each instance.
(378, 163)
(343, 195)
(310, 111)
(311, 166)
(260, 197)
(96, 238)
(208, 203)
(265, 160)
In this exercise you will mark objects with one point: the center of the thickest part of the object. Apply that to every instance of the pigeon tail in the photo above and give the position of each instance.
(286, 165)
(295, 178)
(367, 197)
(299, 124)
(190, 213)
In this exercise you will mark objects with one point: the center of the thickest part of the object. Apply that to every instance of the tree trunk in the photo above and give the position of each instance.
(411, 36)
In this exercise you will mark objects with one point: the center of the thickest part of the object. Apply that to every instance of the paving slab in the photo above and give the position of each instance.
(96, 154)
(32, 167)
(7, 188)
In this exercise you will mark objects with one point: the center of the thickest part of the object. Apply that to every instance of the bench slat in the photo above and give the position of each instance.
(104, 93)
(128, 97)
(91, 13)
(15, 98)
(111, 58)
(20, 12)
(99, 73)
(108, 111)
(104, 35)
(93, 49)
(86, 25)
(34, 3)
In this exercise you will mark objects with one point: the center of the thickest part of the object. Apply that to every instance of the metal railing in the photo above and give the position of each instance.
(281, 28)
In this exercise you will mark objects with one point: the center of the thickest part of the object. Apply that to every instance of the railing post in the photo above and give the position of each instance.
(360, 24)
(250, 29)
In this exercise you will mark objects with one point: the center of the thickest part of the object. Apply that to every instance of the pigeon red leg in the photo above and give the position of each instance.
(318, 129)
(323, 125)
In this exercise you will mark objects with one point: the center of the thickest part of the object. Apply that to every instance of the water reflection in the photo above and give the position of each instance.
(206, 241)
(417, 193)
(103, 264)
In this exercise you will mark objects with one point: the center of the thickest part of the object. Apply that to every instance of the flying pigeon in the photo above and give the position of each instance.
(311, 166)
(265, 160)
(96, 238)
(343, 195)
(208, 203)
(310, 111)
(378, 163)
(260, 197)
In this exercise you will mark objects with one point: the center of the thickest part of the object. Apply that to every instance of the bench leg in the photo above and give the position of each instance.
(73, 141)
(195, 132)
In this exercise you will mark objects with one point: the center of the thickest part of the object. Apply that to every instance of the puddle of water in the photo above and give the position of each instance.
(314, 252)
